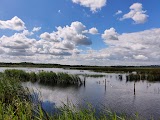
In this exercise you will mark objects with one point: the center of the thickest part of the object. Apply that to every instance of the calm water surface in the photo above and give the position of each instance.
(117, 95)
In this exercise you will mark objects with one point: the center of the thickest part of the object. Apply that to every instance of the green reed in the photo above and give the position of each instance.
(43, 77)
(151, 77)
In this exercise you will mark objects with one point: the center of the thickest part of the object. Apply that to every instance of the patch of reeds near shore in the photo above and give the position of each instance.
(44, 77)
(152, 77)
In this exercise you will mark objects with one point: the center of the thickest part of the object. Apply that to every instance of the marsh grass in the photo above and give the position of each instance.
(70, 112)
(151, 77)
(14, 100)
(43, 77)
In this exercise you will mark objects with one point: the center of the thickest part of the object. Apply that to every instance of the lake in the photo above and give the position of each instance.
(117, 94)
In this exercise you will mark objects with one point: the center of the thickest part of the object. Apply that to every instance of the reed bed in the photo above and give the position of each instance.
(43, 77)
(151, 77)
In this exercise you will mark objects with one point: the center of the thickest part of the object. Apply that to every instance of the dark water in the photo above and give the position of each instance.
(117, 95)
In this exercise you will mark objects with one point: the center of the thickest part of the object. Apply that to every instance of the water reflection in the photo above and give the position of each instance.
(49, 107)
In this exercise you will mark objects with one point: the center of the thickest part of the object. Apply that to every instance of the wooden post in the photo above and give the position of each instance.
(84, 81)
(105, 85)
(134, 88)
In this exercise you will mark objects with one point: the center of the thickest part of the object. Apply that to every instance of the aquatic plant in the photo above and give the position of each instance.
(151, 77)
(32, 77)
(17, 74)
(43, 77)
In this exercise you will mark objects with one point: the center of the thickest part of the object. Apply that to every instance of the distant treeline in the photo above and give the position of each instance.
(153, 68)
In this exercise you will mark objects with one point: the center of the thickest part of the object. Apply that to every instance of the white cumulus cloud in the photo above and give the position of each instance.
(93, 31)
(143, 45)
(137, 14)
(140, 57)
(118, 12)
(14, 24)
(74, 34)
(110, 34)
(36, 29)
(59, 44)
(94, 5)
(18, 44)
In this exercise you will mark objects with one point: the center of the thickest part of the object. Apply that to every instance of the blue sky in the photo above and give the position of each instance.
(91, 31)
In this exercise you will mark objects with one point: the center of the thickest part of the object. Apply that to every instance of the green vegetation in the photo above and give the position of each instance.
(70, 112)
(16, 104)
(58, 78)
(148, 77)
(14, 100)
(43, 77)
(151, 76)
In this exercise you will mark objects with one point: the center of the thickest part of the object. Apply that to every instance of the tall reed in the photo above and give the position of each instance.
(152, 77)
(43, 77)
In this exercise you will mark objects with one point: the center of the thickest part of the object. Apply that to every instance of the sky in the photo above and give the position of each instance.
(80, 32)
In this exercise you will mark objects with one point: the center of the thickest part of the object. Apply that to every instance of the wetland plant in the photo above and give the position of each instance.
(43, 77)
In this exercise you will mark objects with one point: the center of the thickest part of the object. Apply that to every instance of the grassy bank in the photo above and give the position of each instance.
(14, 100)
(16, 104)
(43, 77)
